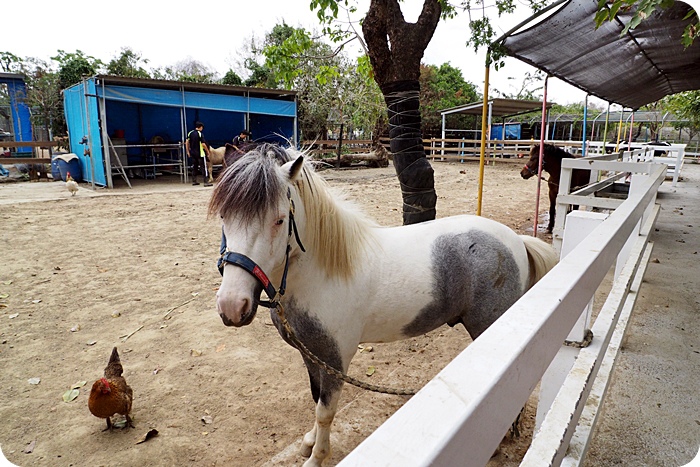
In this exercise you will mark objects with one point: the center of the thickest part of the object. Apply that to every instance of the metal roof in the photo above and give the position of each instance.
(196, 87)
(633, 70)
(499, 107)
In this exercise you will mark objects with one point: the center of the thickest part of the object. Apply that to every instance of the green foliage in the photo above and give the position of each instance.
(127, 64)
(444, 87)
(44, 96)
(73, 67)
(10, 63)
(286, 52)
(686, 106)
(607, 11)
(232, 79)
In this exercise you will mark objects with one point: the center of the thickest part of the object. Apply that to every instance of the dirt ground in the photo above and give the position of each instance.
(136, 269)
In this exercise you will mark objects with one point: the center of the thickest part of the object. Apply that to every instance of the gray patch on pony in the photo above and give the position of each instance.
(319, 341)
(475, 280)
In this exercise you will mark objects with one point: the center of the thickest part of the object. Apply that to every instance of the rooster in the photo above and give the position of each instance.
(71, 184)
(110, 394)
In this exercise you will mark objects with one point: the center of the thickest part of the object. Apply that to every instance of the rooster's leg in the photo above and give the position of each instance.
(129, 422)
(109, 425)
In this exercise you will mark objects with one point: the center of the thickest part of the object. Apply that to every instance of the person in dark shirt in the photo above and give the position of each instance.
(197, 149)
(242, 140)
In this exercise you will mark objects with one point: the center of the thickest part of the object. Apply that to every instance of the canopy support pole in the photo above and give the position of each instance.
(585, 123)
(605, 131)
(483, 133)
(619, 130)
(629, 140)
(539, 166)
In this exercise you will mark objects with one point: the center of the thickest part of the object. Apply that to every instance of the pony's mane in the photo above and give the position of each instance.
(335, 230)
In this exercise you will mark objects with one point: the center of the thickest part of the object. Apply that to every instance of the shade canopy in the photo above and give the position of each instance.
(499, 107)
(632, 70)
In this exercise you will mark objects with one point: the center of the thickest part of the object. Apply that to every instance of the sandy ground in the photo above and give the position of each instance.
(136, 269)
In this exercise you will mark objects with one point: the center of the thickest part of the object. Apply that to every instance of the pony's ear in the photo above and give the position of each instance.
(293, 168)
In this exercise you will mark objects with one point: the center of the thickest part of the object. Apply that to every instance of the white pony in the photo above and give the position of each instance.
(349, 281)
(215, 157)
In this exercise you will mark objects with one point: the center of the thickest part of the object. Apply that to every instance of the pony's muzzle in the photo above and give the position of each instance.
(235, 299)
(235, 310)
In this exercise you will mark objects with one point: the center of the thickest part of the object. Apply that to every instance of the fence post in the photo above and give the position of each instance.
(635, 182)
(578, 225)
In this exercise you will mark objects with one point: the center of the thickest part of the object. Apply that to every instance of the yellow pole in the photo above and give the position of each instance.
(605, 131)
(619, 130)
(484, 111)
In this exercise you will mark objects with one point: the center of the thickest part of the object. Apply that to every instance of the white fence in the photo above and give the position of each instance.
(461, 416)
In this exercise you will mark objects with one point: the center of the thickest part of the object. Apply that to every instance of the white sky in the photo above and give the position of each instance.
(213, 31)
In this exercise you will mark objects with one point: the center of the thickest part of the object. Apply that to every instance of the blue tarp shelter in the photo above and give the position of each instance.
(103, 108)
(20, 114)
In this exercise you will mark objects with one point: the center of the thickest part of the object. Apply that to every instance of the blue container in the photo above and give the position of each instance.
(73, 166)
(55, 171)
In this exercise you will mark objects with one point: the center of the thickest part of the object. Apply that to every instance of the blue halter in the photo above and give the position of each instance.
(242, 261)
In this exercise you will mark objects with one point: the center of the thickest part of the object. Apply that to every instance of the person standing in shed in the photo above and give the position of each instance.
(197, 149)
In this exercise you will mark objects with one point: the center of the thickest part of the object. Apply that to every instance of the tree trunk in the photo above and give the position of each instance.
(395, 51)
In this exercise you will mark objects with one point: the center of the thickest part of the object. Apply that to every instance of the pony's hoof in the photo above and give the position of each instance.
(305, 450)
(308, 442)
(312, 462)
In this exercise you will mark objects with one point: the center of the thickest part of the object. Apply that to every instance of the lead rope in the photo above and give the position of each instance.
(329, 369)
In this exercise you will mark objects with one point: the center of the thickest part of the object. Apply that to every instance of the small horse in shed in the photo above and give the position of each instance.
(551, 163)
(349, 281)
(224, 156)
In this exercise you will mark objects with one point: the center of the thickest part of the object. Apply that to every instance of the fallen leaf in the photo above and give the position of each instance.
(221, 347)
(70, 395)
(34, 380)
(91, 343)
(370, 371)
(4, 295)
(36, 301)
(152, 433)
(155, 372)
(116, 314)
(30, 447)
(194, 294)
(78, 384)
(13, 316)
(206, 419)
(75, 328)
(365, 348)
(195, 353)
(10, 282)
(3, 305)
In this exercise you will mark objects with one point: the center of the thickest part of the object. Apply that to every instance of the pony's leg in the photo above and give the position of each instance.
(307, 443)
(325, 412)
(552, 214)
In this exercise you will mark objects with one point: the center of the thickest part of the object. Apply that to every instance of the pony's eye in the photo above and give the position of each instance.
(279, 222)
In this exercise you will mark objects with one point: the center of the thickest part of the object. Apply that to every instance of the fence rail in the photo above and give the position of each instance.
(461, 415)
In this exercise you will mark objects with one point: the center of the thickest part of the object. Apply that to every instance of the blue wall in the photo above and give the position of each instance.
(146, 112)
(82, 121)
(21, 117)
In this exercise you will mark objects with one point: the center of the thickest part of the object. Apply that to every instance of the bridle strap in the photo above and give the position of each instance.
(242, 261)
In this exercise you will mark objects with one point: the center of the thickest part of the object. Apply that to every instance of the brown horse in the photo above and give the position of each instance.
(551, 163)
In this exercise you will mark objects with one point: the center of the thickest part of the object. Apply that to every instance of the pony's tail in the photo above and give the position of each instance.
(541, 257)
